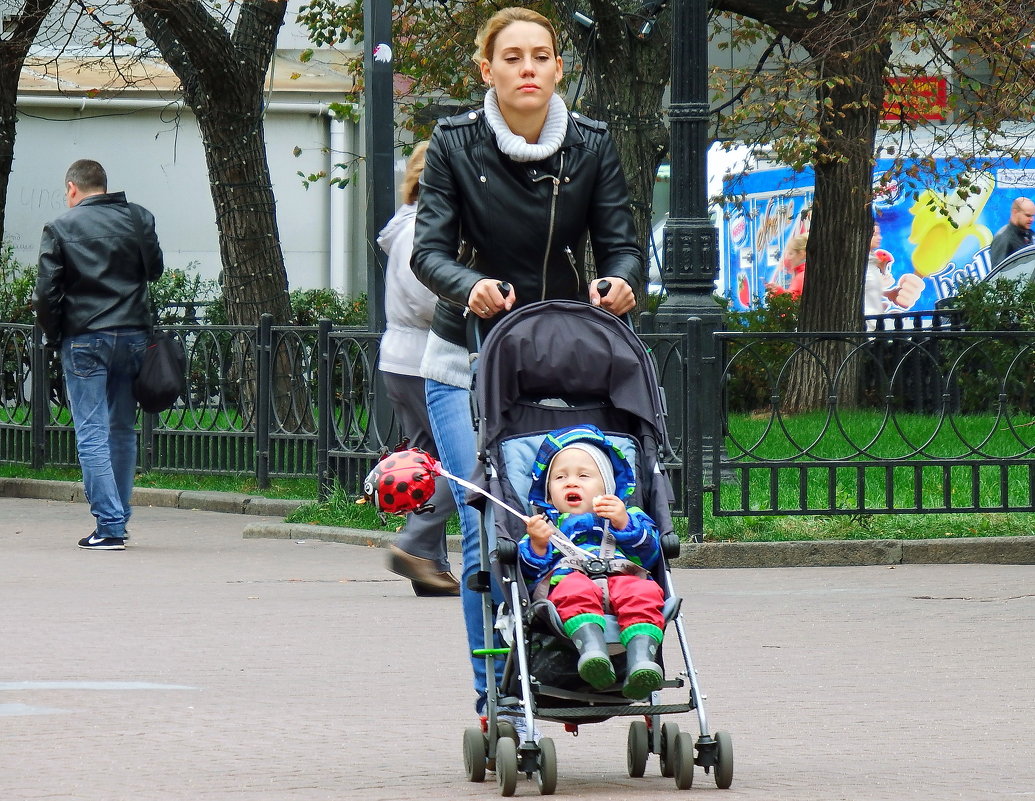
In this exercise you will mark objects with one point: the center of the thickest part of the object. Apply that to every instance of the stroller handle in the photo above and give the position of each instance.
(474, 334)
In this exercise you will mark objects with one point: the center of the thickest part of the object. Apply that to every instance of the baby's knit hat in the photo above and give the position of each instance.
(607, 471)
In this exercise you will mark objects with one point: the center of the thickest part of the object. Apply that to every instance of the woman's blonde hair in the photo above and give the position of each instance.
(798, 243)
(485, 41)
(414, 167)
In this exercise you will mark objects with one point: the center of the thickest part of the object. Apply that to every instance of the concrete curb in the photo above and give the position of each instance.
(825, 553)
(72, 492)
(348, 536)
(819, 553)
(854, 553)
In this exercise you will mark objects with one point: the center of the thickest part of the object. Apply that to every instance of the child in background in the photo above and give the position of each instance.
(793, 265)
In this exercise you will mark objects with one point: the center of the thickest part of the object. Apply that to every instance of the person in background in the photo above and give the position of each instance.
(509, 195)
(419, 552)
(792, 264)
(880, 287)
(91, 300)
(1015, 235)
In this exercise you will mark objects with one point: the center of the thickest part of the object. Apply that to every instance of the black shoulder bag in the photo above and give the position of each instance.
(162, 379)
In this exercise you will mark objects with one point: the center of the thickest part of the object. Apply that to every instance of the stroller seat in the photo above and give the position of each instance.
(553, 657)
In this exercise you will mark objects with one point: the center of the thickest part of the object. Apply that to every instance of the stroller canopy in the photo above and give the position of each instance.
(566, 348)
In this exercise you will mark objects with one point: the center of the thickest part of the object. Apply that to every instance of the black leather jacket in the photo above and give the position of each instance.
(1007, 240)
(94, 268)
(524, 223)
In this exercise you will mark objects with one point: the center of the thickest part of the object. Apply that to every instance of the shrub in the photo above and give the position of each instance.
(16, 284)
(749, 380)
(308, 306)
(1002, 367)
(175, 294)
(1001, 305)
(181, 294)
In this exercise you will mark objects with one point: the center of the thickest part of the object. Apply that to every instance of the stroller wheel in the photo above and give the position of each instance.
(684, 761)
(505, 728)
(637, 750)
(669, 733)
(724, 760)
(475, 749)
(506, 766)
(546, 776)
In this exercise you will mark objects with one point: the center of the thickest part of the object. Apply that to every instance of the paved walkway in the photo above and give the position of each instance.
(203, 666)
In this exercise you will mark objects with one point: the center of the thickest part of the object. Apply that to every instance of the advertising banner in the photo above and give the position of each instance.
(930, 233)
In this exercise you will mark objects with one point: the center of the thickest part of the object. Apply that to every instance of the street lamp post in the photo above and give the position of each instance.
(379, 130)
(690, 257)
(691, 242)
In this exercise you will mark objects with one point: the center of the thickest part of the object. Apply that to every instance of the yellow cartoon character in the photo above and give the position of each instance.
(941, 221)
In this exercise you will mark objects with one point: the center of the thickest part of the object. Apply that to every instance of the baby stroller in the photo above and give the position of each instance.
(542, 367)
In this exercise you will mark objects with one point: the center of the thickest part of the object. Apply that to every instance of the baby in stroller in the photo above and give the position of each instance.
(590, 554)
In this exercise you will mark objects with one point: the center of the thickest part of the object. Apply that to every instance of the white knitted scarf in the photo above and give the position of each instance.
(516, 147)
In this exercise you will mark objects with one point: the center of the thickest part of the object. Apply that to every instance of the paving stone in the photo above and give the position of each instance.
(200, 664)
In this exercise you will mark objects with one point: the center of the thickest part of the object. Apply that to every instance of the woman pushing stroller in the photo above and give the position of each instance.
(579, 481)
(509, 194)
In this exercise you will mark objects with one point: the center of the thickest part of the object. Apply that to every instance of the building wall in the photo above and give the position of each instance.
(159, 161)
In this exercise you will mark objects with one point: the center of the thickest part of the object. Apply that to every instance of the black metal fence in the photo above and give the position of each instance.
(250, 405)
(356, 421)
(913, 420)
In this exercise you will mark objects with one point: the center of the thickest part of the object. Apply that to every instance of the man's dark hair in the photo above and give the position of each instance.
(88, 176)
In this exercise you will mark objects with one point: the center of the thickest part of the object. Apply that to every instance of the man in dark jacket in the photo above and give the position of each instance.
(91, 301)
(1015, 235)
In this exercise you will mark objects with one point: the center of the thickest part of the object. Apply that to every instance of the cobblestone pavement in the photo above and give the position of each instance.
(200, 665)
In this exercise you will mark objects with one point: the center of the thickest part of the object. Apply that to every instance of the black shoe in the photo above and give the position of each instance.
(95, 543)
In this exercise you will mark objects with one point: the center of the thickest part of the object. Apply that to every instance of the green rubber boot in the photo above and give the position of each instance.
(595, 666)
(644, 675)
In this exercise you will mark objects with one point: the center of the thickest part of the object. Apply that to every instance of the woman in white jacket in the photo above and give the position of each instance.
(419, 552)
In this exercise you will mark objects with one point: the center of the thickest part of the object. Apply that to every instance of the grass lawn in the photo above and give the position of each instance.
(290, 488)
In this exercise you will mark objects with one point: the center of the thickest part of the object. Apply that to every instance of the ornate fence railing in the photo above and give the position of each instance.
(911, 421)
(250, 405)
(356, 421)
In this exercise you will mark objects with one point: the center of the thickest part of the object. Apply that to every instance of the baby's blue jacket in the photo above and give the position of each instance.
(639, 542)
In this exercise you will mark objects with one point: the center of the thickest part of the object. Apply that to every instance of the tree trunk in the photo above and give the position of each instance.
(626, 80)
(254, 278)
(223, 76)
(23, 27)
(842, 216)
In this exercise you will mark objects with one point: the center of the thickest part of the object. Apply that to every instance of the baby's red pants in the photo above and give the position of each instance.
(633, 599)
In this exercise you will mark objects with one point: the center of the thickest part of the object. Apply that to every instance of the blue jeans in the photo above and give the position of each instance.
(449, 410)
(99, 368)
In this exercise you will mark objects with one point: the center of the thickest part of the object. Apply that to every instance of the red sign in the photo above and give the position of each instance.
(915, 99)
